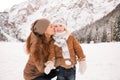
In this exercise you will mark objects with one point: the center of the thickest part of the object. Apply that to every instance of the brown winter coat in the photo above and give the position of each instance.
(38, 51)
(75, 51)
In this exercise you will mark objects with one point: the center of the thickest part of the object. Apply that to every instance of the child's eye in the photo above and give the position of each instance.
(60, 25)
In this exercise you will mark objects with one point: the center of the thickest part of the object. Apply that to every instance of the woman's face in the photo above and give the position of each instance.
(59, 28)
(50, 30)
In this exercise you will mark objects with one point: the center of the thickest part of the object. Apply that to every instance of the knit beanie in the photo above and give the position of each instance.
(40, 26)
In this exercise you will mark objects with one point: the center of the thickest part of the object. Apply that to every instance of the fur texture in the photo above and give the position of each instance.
(37, 47)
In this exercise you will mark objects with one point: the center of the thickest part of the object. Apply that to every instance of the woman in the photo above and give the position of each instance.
(63, 55)
(37, 46)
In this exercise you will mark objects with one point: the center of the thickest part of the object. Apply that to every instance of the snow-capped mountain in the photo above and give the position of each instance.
(75, 14)
(106, 29)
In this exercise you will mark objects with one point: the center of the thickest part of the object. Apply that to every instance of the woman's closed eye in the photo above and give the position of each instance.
(56, 26)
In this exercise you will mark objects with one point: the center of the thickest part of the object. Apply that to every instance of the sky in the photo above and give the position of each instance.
(6, 4)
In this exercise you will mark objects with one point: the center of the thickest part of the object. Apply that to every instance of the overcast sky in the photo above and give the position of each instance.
(6, 4)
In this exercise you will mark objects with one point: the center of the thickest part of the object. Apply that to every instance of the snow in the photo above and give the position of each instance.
(102, 61)
(12, 61)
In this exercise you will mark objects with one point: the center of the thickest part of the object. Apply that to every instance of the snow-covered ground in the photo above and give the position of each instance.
(103, 61)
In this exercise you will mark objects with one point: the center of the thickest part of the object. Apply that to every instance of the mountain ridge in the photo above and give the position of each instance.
(75, 14)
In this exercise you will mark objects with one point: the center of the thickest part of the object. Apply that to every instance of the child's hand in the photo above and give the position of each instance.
(82, 66)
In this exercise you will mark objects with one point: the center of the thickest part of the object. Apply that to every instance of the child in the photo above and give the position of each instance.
(63, 54)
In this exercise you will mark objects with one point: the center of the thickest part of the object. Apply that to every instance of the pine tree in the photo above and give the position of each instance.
(116, 30)
(104, 37)
(89, 37)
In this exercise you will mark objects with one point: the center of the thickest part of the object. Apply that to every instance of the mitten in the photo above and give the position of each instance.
(49, 67)
(82, 67)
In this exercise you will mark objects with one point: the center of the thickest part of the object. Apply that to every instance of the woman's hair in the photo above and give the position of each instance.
(28, 44)
(37, 45)
(38, 40)
(38, 33)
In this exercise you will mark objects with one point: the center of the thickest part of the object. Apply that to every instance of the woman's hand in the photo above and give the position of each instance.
(49, 67)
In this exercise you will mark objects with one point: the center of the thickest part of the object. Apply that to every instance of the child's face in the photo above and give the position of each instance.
(59, 28)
